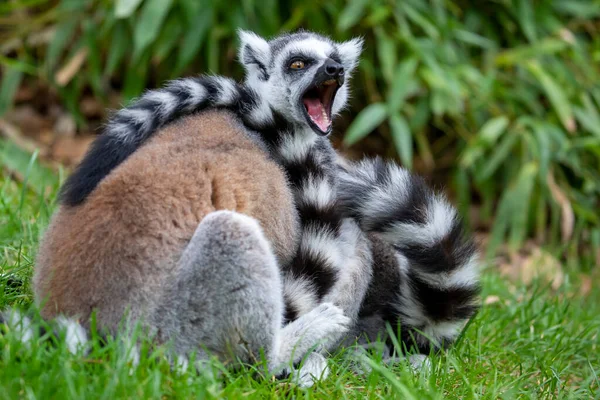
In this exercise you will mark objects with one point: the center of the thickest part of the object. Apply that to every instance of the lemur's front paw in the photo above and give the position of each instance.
(326, 322)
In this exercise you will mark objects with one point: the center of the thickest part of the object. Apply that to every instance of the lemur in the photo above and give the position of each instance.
(433, 284)
(425, 271)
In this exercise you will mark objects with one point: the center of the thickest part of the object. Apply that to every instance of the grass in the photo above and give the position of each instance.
(534, 342)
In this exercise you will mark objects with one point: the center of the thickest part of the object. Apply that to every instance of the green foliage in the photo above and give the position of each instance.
(502, 96)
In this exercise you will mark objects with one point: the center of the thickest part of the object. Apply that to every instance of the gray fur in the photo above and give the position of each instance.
(227, 297)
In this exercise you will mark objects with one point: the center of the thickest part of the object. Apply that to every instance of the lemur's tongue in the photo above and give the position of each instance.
(317, 113)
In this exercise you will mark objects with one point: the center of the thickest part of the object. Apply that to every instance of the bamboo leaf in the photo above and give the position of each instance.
(521, 54)
(420, 20)
(557, 97)
(367, 120)
(521, 193)
(147, 28)
(492, 129)
(194, 38)
(59, 41)
(11, 79)
(351, 14)
(120, 43)
(588, 115)
(168, 39)
(404, 75)
(125, 8)
(499, 156)
(387, 54)
(402, 139)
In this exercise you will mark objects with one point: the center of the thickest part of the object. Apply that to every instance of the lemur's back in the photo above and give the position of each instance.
(116, 251)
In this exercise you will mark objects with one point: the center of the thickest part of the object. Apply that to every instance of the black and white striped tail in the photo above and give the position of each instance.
(130, 127)
(439, 269)
(313, 271)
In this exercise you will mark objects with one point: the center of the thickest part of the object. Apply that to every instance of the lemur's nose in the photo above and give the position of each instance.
(333, 68)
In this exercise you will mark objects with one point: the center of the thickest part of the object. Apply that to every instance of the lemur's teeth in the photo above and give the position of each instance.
(325, 117)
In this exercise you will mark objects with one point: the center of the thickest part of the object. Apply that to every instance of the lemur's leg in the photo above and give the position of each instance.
(226, 294)
(439, 269)
(227, 298)
(333, 262)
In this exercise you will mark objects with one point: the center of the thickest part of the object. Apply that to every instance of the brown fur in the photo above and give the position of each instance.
(116, 251)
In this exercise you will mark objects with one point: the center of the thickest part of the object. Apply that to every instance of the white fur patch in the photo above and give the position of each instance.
(313, 369)
(318, 48)
(442, 330)
(463, 276)
(300, 293)
(122, 131)
(350, 53)
(381, 200)
(322, 243)
(167, 102)
(354, 271)
(261, 113)
(326, 323)
(75, 336)
(196, 92)
(318, 192)
(138, 115)
(296, 147)
(259, 46)
(411, 308)
(227, 93)
(439, 220)
(21, 325)
(419, 361)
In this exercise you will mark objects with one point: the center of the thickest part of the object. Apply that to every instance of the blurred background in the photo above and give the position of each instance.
(496, 102)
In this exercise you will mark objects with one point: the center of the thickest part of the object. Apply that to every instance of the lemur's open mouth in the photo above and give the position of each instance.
(318, 101)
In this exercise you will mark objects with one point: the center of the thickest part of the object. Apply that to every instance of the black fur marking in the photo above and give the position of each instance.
(105, 154)
(450, 253)
(320, 218)
(335, 56)
(412, 210)
(444, 304)
(270, 132)
(299, 171)
(411, 345)
(316, 268)
(250, 58)
(248, 100)
(290, 313)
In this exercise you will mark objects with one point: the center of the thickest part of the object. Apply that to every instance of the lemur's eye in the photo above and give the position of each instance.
(297, 64)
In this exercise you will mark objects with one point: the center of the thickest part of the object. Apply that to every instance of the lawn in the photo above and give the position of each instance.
(528, 341)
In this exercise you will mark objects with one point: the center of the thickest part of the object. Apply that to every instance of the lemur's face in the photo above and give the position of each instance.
(303, 76)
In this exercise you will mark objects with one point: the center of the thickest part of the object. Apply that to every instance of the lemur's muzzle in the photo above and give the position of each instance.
(333, 70)
(318, 99)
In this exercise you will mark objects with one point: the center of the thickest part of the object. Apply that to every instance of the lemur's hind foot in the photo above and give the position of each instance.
(226, 297)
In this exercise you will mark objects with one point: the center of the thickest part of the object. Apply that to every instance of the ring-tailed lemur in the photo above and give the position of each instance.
(305, 75)
(433, 284)
(279, 100)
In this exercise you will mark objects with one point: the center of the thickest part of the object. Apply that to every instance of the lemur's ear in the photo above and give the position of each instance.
(350, 52)
(255, 53)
